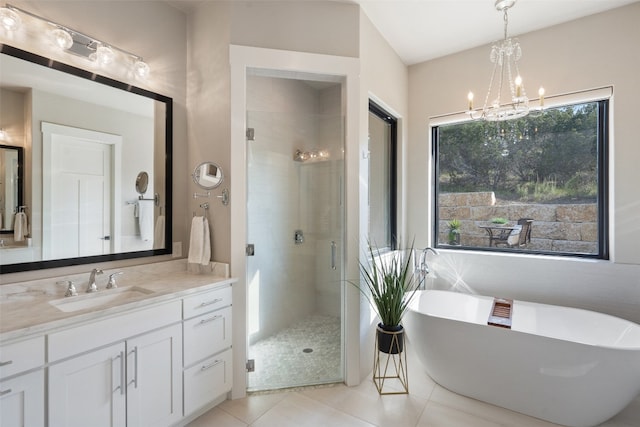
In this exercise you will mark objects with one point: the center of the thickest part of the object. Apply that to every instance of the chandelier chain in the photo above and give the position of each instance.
(506, 21)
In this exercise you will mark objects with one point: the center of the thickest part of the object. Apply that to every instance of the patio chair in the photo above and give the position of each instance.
(518, 237)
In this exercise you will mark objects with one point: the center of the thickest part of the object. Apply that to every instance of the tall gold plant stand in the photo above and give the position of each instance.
(390, 369)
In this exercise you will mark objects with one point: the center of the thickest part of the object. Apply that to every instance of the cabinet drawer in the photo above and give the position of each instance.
(105, 331)
(205, 302)
(206, 335)
(206, 381)
(21, 356)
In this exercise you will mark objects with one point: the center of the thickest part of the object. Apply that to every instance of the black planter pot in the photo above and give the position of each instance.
(390, 338)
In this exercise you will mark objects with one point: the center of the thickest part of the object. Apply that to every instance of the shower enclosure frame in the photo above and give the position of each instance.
(278, 62)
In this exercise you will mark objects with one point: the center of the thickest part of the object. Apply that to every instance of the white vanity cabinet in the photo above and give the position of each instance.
(22, 383)
(154, 390)
(89, 390)
(207, 348)
(136, 381)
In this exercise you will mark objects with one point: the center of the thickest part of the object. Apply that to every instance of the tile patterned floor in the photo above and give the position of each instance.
(306, 353)
(427, 405)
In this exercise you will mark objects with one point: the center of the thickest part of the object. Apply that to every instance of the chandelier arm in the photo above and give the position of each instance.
(486, 98)
(512, 89)
(501, 81)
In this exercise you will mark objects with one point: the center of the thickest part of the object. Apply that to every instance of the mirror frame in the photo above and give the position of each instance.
(196, 176)
(20, 151)
(168, 196)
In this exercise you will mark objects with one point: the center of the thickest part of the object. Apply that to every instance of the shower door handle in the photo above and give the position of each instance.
(333, 255)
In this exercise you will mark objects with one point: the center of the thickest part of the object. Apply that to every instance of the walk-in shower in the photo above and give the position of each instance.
(295, 217)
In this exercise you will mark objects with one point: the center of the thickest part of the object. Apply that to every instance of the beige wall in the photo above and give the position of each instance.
(592, 52)
(209, 115)
(383, 78)
(310, 26)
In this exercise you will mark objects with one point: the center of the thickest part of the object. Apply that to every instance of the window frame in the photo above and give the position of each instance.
(392, 121)
(603, 179)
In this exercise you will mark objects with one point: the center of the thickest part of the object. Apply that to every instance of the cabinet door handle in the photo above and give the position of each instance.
(211, 319)
(134, 381)
(8, 362)
(214, 301)
(210, 365)
(122, 372)
(3, 392)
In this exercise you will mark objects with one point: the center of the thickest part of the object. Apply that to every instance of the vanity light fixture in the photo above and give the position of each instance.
(505, 55)
(75, 42)
(9, 19)
(311, 156)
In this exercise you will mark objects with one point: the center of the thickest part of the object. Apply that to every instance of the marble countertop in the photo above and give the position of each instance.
(25, 308)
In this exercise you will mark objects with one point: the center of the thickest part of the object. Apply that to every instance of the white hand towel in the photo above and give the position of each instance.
(196, 240)
(20, 227)
(158, 237)
(206, 250)
(199, 242)
(145, 219)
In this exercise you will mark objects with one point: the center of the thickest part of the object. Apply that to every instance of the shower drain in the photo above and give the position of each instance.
(307, 350)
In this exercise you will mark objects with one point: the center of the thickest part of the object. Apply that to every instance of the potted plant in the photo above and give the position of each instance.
(454, 232)
(499, 220)
(389, 284)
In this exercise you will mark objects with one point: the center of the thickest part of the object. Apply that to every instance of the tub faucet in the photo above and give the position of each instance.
(421, 266)
(92, 280)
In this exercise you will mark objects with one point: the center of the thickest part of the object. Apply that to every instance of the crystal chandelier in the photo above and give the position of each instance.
(506, 78)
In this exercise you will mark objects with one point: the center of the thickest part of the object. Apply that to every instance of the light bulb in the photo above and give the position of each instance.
(518, 86)
(62, 38)
(541, 95)
(104, 55)
(470, 98)
(141, 69)
(9, 19)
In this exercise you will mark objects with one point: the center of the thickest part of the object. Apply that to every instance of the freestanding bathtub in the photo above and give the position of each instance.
(568, 366)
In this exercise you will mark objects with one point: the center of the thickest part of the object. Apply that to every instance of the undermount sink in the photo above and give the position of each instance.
(100, 298)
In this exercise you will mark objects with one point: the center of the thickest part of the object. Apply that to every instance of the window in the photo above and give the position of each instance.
(535, 185)
(382, 178)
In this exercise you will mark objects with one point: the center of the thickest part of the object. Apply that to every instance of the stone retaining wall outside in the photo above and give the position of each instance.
(556, 227)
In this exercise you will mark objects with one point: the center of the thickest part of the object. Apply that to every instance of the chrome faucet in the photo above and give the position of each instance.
(71, 289)
(421, 266)
(112, 280)
(92, 280)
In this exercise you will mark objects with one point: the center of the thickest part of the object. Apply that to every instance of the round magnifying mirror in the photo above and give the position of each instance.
(142, 181)
(208, 175)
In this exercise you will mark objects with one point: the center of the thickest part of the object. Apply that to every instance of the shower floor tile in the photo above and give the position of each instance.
(306, 353)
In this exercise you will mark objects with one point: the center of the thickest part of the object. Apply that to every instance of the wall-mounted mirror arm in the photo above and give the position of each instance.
(156, 199)
(224, 196)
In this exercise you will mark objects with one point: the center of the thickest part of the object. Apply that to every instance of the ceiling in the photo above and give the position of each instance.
(419, 30)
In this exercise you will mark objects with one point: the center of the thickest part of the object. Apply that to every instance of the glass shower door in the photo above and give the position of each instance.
(295, 222)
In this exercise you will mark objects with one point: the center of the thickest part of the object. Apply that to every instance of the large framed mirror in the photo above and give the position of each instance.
(85, 139)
